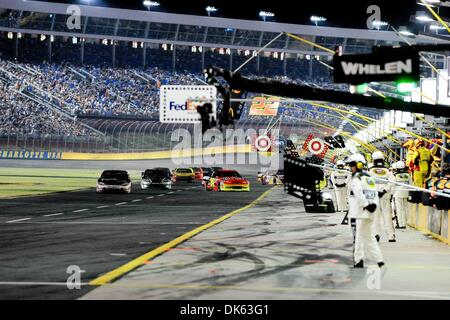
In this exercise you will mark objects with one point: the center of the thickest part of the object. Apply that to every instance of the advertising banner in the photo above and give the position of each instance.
(31, 155)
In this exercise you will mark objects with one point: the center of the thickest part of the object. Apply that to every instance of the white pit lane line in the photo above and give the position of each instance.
(81, 210)
(18, 220)
(137, 200)
(121, 203)
(161, 195)
(101, 207)
(149, 197)
(15, 283)
(53, 214)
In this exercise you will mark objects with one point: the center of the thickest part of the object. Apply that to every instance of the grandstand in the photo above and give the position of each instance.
(81, 83)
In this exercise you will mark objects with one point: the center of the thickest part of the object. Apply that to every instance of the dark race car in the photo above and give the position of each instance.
(114, 180)
(156, 177)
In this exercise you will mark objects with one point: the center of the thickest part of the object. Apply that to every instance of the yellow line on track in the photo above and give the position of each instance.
(119, 272)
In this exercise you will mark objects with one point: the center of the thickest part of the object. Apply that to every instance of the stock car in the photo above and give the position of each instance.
(114, 180)
(275, 177)
(156, 177)
(208, 172)
(198, 173)
(261, 174)
(184, 174)
(227, 180)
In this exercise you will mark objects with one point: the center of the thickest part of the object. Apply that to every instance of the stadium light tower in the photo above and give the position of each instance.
(265, 14)
(210, 10)
(149, 4)
(317, 19)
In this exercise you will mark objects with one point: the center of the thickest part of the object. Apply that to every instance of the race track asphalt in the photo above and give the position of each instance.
(42, 236)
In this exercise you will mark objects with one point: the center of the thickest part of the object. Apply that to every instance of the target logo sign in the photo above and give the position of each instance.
(262, 143)
(317, 147)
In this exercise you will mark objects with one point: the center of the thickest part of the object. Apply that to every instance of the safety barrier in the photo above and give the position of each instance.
(168, 154)
(127, 136)
(430, 221)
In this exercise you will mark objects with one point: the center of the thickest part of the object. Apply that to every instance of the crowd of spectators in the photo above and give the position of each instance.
(99, 89)
(21, 115)
(91, 90)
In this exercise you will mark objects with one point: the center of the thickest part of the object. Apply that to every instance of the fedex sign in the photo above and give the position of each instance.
(178, 104)
(175, 106)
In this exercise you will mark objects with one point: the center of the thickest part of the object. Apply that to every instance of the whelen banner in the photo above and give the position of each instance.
(358, 69)
(31, 155)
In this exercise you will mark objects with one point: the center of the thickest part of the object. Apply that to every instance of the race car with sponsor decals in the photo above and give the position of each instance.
(184, 174)
(114, 180)
(227, 180)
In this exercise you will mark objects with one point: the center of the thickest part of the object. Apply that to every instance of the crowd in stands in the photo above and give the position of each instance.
(91, 90)
(99, 89)
(107, 91)
(21, 115)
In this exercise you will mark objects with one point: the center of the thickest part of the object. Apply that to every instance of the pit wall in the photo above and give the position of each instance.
(430, 221)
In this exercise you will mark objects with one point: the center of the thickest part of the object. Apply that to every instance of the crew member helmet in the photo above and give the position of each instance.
(356, 158)
(377, 155)
(400, 165)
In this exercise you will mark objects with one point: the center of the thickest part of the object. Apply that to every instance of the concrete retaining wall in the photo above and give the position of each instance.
(430, 221)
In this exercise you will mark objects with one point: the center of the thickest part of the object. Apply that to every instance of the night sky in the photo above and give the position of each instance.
(340, 13)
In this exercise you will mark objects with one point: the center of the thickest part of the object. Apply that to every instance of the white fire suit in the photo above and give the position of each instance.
(401, 196)
(339, 181)
(362, 192)
(383, 214)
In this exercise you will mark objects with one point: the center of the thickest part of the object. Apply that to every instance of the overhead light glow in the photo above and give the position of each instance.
(211, 9)
(149, 3)
(318, 19)
(424, 18)
(406, 33)
(404, 87)
(266, 14)
(431, 3)
(377, 23)
(436, 27)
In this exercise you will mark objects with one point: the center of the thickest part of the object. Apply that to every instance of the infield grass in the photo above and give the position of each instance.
(17, 182)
